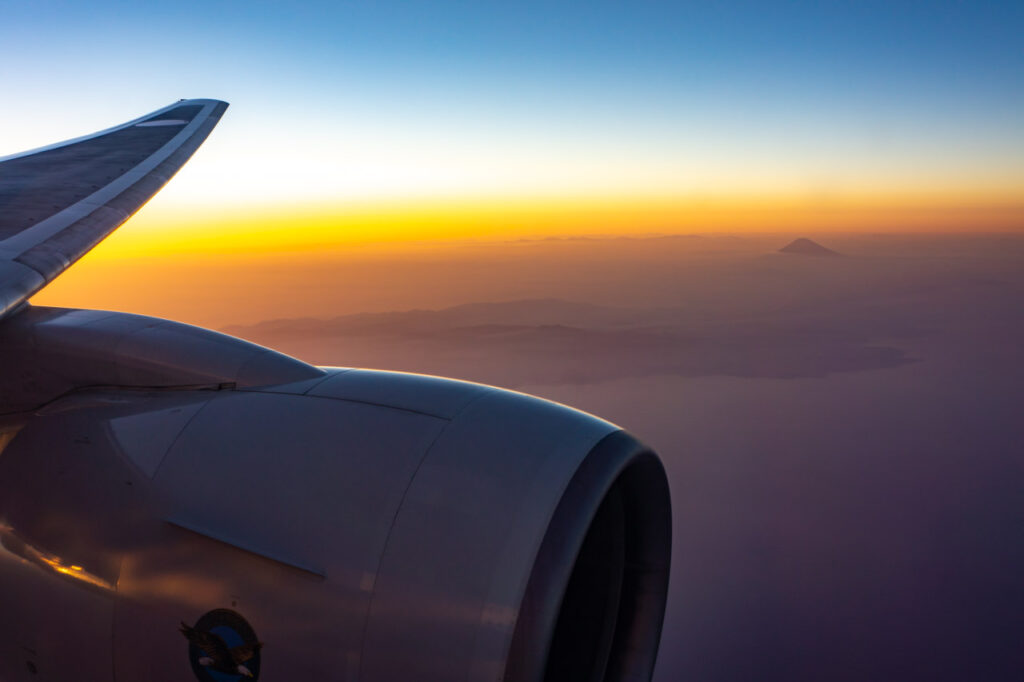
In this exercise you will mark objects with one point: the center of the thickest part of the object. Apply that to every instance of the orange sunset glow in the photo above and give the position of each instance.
(273, 249)
(401, 224)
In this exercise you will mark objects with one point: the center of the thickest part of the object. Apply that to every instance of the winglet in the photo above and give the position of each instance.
(58, 202)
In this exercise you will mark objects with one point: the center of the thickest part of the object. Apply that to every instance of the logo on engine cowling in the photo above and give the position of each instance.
(223, 647)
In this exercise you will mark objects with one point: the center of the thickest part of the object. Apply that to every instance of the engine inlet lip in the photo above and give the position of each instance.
(619, 460)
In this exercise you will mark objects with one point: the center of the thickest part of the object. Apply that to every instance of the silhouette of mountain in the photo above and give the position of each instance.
(806, 247)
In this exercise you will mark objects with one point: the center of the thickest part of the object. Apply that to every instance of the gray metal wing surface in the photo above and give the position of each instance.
(59, 201)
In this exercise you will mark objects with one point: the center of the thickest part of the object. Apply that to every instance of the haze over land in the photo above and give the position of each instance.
(842, 435)
(600, 309)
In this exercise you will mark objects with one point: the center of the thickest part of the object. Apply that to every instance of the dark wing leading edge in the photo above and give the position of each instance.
(58, 202)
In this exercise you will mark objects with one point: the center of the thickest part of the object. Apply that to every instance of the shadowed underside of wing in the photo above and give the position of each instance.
(58, 202)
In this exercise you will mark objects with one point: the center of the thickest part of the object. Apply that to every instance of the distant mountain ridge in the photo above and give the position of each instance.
(527, 312)
(548, 340)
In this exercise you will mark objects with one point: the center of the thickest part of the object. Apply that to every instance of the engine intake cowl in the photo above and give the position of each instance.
(367, 525)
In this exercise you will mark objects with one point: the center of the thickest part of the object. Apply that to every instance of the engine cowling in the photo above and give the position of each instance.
(364, 525)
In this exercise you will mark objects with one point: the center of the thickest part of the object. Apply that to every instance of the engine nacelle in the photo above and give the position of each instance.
(362, 525)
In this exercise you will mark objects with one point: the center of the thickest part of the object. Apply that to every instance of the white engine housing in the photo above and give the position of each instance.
(368, 525)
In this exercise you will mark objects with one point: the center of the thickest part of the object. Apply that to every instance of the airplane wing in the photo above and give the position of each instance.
(58, 202)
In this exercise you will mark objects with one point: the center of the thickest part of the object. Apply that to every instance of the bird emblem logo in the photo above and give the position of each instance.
(223, 647)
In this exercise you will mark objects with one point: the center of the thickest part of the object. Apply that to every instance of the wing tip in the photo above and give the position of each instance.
(202, 101)
(27, 264)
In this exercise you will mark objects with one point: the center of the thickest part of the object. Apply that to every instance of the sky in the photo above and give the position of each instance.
(398, 123)
(433, 106)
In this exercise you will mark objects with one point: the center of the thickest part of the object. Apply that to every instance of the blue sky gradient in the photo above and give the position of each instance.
(675, 97)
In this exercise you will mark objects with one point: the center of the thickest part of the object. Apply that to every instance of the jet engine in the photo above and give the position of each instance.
(176, 503)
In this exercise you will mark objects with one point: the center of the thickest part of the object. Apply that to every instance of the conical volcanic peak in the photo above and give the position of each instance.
(805, 247)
